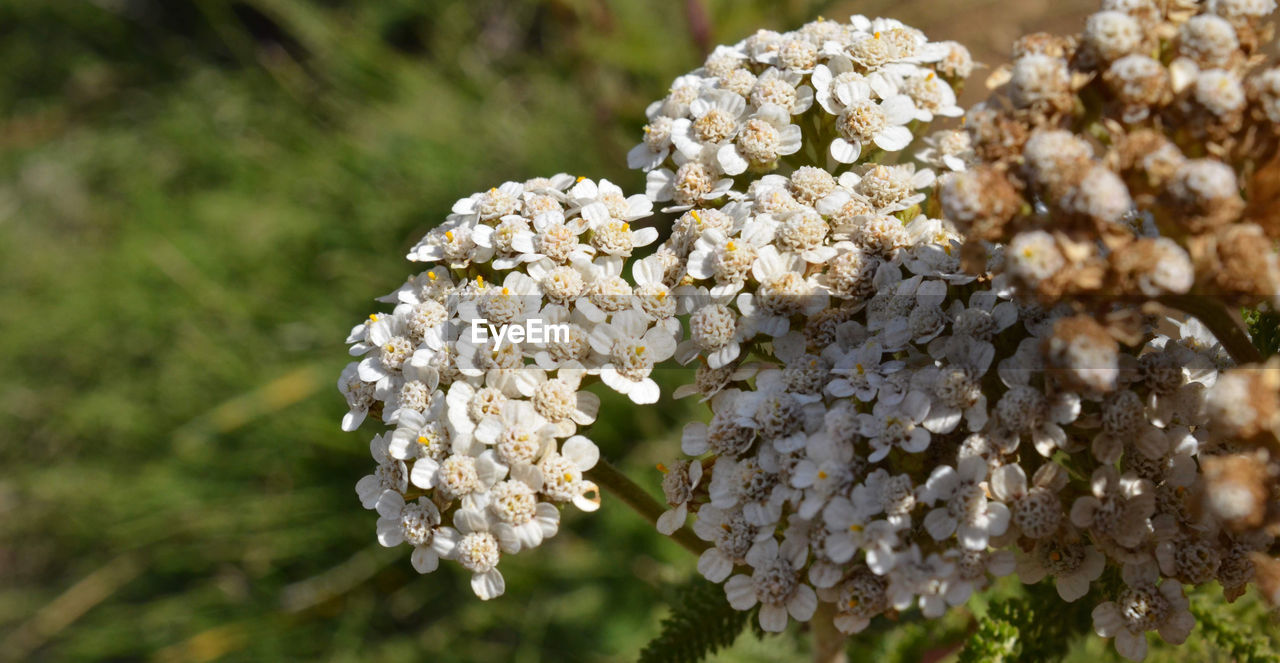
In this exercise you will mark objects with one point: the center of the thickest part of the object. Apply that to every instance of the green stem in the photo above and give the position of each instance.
(1225, 324)
(622, 487)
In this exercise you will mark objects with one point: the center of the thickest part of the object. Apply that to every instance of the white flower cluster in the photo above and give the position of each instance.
(889, 426)
(886, 432)
(843, 91)
(484, 427)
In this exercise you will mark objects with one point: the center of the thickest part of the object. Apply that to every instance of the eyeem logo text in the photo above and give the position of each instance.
(533, 330)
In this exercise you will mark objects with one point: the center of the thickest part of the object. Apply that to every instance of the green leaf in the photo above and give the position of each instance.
(701, 623)
(1264, 328)
(1039, 627)
(1217, 623)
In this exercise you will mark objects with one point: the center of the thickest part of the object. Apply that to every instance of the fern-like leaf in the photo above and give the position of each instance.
(997, 639)
(701, 623)
(1217, 625)
(1039, 627)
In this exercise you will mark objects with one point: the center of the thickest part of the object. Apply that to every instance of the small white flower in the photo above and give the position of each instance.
(557, 238)
(839, 70)
(1036, 511)
(478, 551)
(511, 241)
(418, 524)
(897, 425)
(562, 474)
(558, 400)
(519, 437)
(765, 136)
(631, 349)
(784, 291)
(715, 330)
(678, 484)
(966, 511)
(390, 478)
(715, 118)
(693, 181)
(599, 202)
(386, 352)
(421, 434)
(776, 585)
(359, 395)
(950, 148)
(864, 373)
(653, 150)
(932, 96)
(862, 121)
(1073, 565)
(728, 259)
(1143, 608)
(521, 521)
(1120, 507)
(732, 538)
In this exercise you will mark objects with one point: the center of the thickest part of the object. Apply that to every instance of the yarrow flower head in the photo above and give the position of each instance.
(480, 368)
(929, 358)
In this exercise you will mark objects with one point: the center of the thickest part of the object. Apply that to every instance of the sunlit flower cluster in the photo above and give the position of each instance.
(485, 415)
(844, 92)
(926, 358)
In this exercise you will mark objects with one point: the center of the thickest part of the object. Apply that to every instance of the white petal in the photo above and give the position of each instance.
(389, 532)
(714, 566)
(845, 151)
(581, 451)
(1107, 620)
(939, 524)
(730, 161)
(1132, 646)
(803, 603)
(488, 585)
(773, 618)
(893, 139)
(672, 519)
(424, 559)
(741, 593)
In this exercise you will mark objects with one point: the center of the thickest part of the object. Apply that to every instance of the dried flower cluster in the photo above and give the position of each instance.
(1112, 163)
(1125, 171)
(901, 408)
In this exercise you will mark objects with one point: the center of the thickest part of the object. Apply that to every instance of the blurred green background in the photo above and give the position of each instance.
(197, 199)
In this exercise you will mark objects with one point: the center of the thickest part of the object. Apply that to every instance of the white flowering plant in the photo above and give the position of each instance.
(929, 358)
